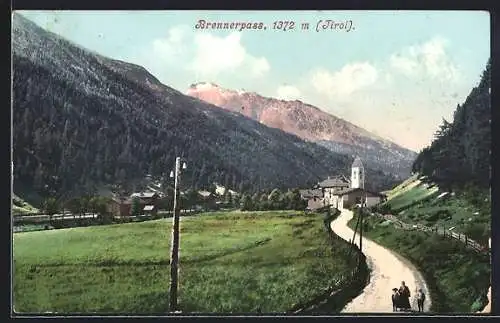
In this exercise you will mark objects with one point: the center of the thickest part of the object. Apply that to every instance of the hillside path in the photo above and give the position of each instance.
(387, 271)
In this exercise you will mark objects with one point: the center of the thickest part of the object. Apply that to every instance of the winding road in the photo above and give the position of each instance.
(387, 271)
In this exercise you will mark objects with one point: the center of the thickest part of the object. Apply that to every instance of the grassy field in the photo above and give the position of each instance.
(458, 278)
(416, 201)
(229, 262)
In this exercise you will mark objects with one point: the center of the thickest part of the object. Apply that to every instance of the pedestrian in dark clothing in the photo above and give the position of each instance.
(404, 293)
(395, 299)
(420, 300)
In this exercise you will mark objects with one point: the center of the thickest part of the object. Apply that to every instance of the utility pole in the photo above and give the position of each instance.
(361, 229)
(174, 256)
(361, 214)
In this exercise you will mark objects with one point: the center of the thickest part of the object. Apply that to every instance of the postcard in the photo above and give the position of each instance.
(251, 162)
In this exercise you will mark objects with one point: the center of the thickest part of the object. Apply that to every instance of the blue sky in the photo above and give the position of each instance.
(397, 73)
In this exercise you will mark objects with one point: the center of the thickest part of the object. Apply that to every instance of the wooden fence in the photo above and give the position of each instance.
(470, 243)
(45, 218)
(42, 218)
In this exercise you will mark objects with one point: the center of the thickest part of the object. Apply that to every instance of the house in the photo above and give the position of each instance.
(331, 186)
(207, 199)
(204, 194)
(221, 190)
(146, 198)
(150, 210)
(122, 206)
(313, 197)
(119, 206)
(357, 196)
(311, 194)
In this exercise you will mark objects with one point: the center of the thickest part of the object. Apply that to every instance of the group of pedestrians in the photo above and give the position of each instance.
(401, 298)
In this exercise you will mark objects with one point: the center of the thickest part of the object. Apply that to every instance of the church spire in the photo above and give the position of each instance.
(357, 174)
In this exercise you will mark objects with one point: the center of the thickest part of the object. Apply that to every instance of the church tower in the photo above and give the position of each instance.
(357, 174)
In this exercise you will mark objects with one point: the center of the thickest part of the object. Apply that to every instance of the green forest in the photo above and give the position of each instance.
(458, 158)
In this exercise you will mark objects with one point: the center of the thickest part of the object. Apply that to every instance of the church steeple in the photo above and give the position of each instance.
(357, 174)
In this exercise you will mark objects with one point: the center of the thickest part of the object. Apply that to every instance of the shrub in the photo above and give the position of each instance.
(479, 304)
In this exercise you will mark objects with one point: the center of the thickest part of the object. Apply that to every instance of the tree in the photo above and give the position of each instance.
(264, 202)
(460, 151)
(289, 200)
(93, 204)
(166, 203)
(256, 202)
(38, 179)
(74, 205)
(191, 198)
(228, 198)
(136, 206)
(50, 206)
(212, 188)
(100, 205)
(297, 202)
(247, 204)
(84, 204)
(274, 199)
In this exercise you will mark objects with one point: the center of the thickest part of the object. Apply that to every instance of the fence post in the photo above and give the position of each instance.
(466, 242)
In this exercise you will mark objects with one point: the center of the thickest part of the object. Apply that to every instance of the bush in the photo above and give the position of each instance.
(105, 218)
(478, 231)
(479, 304)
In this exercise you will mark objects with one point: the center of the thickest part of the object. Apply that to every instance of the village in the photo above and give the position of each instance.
(335, 192)
(340, 192)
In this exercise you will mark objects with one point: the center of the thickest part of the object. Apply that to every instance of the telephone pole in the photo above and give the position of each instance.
(174, 256)
(361, 229)
(361, 215)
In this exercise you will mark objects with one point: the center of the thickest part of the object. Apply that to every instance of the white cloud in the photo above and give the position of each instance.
(288, 92)
(259, 66)
(202, 55)
(349, 79)
(172, 46)
(426, 60)
(214, 55)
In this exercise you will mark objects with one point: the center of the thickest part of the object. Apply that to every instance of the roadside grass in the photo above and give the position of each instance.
(402, 187)
(458, 278)
(229, 262)
(412, 193)
(417, 202)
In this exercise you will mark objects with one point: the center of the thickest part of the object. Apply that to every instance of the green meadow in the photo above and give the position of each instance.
(229, 262)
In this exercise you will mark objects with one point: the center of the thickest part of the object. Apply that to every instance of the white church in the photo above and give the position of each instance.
(340, 192)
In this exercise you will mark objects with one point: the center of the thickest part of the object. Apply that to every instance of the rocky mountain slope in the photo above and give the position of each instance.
(312, 124)
(81, 120)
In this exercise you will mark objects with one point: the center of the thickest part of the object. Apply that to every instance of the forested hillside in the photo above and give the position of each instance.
(82, 121)
(459, 156)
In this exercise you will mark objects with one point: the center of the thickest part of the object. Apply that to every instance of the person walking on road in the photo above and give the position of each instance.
(420, 300)
(404, 293)
(395, 300)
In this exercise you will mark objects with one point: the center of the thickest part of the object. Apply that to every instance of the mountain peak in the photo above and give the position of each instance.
(305, 121)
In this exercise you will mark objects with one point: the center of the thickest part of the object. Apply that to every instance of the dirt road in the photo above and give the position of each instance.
(387, 272)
